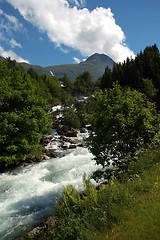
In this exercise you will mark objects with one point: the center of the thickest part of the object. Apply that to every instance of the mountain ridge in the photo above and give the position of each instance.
(95, 65)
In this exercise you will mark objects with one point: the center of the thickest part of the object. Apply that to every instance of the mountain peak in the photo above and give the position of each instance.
(100, 59)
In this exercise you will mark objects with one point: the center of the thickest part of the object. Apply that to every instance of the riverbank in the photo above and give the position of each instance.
(119, 210)
(52, 146)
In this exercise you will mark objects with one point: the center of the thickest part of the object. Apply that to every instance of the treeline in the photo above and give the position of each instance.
(141, 73)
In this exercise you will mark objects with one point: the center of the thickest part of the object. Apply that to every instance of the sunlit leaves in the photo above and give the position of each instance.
(123, 121)
(23, 116)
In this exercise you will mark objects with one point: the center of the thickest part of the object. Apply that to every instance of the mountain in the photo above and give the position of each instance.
(95, 65)
(101, 60)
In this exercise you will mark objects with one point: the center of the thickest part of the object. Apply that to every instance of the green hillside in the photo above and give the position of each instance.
(95, 65)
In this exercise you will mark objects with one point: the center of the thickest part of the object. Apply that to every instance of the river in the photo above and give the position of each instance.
(27, 194)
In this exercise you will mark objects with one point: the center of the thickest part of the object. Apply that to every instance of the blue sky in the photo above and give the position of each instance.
(52, 32)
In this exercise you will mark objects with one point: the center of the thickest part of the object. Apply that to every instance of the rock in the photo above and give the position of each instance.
(80, 145)
(46, 139)
(89, 127)
(64, 147)
(46, 157)
(71, 133)
(83, 130)
(72, 146)
(50, 153)
(43, 226)
(72, 141)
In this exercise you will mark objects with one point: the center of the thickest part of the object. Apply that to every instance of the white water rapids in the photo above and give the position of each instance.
(28, 194)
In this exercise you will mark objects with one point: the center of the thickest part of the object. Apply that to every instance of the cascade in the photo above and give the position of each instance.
(27, 194)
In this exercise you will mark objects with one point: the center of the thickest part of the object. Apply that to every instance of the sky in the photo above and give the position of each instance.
(54, 32)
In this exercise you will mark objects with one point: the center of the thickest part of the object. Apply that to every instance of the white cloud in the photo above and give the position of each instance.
(76, 60)
(1, 11)
(64, 50)
(13, 43)
(10, 23)
(12, 55)
(80, 29)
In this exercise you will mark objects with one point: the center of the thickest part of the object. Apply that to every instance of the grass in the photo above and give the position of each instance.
(142, 219)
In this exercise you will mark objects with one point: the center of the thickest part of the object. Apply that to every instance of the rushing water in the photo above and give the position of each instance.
(28, 193)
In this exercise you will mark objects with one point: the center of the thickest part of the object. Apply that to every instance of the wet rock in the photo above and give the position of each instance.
(80, 145)
(43, 227)
(63, 146)
(83, 130)
(50, 153)
(45, 140)
(73, 141)
(72, 146)
(71, 133)
(89, 127)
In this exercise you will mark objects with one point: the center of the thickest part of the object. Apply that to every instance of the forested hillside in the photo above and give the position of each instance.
(95, 65)
(141, 73)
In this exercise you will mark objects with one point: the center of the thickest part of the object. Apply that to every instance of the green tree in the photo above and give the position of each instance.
(106, 80)
(54, 88)
(84, 84)
(67, 84)
(149, 89)
(132, 72)
(70, 118)
(123, 121)
(23, 117)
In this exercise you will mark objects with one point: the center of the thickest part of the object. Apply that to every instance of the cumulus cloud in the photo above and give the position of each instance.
(12, 55)
(78, 28)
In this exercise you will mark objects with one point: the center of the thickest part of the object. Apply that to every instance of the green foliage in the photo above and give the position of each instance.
(106, 79)
(123, 121)
(141, 221)
(132, 72)
(66, 91)
(84, 84)
(82, 109)
(145, 160)
(67, 83)
(70, 118)
(54, 88)
(23, 117)
(149, 89)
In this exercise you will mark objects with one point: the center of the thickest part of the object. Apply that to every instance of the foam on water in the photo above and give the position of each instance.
(28, 194)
